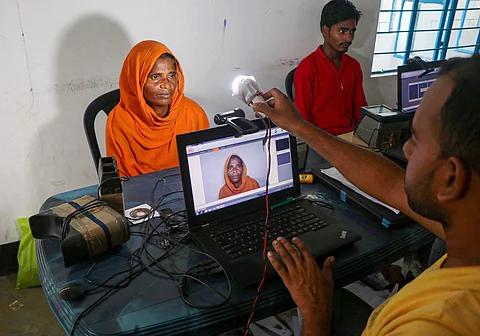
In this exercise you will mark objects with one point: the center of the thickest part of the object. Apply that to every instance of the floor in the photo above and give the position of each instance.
(32, 315)
(26, 312)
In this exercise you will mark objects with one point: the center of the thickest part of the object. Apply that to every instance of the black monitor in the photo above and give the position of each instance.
(413, 81)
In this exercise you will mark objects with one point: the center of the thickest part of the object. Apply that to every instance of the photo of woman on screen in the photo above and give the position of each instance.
(236, 179)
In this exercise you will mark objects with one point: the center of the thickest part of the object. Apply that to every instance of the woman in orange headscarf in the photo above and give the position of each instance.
(141, 130)
(236, 179)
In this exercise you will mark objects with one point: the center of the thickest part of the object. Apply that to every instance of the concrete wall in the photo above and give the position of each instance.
(57, 56)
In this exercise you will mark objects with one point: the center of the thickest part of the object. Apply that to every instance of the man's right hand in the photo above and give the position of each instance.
(311, 288)
(281, 111)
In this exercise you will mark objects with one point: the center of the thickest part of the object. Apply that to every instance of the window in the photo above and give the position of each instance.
(432, 29)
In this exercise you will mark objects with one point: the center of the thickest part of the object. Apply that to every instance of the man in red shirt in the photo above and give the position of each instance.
(328, 83)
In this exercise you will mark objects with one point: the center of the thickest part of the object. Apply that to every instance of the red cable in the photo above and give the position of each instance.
(267, 209)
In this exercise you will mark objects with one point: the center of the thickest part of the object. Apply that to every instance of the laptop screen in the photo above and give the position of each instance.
(229, 171)
(224, 173)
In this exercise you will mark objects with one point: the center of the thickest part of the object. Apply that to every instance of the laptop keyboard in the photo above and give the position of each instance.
(242, 238)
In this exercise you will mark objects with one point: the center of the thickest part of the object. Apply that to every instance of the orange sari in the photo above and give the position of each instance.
(229, 189)
(136, 137)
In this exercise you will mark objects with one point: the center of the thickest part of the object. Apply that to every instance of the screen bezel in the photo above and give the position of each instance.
(401, 69)
(194, 221)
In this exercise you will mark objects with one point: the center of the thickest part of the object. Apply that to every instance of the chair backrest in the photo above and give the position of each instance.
(105, 103)
(289, 84)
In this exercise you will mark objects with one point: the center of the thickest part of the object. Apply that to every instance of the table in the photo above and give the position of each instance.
(151, 304)
(352, 138)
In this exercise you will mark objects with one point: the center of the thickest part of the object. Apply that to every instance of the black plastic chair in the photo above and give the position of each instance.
(289, 84)
(302, 146)
(105, 103)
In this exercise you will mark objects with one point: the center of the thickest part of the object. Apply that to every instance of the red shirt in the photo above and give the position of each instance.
(326, 97)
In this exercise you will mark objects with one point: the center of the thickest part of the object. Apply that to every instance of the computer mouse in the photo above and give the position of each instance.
(71, 292)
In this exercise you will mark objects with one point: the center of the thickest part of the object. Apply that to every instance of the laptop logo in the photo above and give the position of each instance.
(343, 235)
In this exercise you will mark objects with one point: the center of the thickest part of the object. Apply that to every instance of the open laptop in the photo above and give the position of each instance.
(231, 227)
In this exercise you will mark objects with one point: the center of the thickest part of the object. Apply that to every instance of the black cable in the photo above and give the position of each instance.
(226, 297)
(150, 231)
(154, 204)
(154, 229)
(153, 209)
(83, 209)
(138, 233)
(182, 284)
(180, 233)
(155, 187)
(115, 287)
(105, 283)
(169, 251)
(68, 218)
(99, 300)
(371, 137)
(121, 178)
(193, 305)
(188, 275)
(164, 179)
(120, 284)
(167, 234)
(163, 221)
(204, 269)
(131, 220)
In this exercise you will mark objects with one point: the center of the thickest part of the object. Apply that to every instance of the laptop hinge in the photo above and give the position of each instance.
(209, 224)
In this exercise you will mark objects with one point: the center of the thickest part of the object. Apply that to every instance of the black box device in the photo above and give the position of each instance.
(381, 127)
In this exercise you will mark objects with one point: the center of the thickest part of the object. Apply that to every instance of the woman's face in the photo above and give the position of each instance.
(235, 170)
(161, 84)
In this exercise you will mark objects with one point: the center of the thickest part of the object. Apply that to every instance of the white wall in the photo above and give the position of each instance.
(57, 56)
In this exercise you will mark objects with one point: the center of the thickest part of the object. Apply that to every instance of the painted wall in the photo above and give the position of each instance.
(57, 56)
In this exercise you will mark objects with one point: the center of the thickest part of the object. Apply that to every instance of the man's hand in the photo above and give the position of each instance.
(311, 288)
(281, 110)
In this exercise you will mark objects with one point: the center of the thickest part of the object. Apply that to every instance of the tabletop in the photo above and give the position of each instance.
(151, 303)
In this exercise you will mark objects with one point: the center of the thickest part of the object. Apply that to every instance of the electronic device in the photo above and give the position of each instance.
(413, 80)
(71, 292)
(232, 228)
(236, 119)
(397, 155)
(384, 215)
(246, 89)
(302, 152)
(381, 127)
(86, 226)
(110, 184)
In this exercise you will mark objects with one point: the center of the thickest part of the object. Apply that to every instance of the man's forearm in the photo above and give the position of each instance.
(369, 171)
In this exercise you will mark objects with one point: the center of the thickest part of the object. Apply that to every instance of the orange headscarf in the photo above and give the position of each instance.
(141, 141)
(229, 189)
